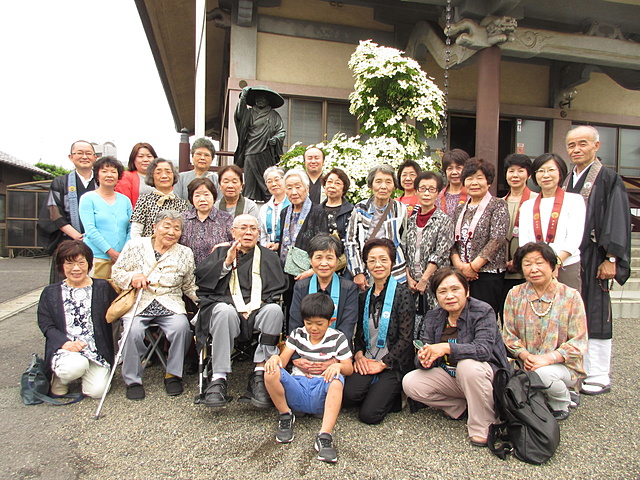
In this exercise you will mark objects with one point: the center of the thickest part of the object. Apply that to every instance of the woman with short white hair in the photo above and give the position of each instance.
(270, 211)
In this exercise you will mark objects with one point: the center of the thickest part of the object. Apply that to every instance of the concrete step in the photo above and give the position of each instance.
(625, 303)
(632, 286)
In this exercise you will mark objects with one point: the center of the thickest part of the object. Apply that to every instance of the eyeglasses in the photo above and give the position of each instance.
(84, 154)
(81, 264)
(335, 183)
(273, 180)
(408, 175)
(544, 171)
(201, 154)
(244, 228)
(382, 261)
(430, 189)
(227, 181)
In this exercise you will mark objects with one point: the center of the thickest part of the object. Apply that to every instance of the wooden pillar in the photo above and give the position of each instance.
(184, 152)
(488, 108)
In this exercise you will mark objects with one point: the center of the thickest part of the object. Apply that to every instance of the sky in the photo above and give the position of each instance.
(78, 69)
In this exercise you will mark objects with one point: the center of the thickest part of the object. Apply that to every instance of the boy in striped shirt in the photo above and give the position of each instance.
(314, 394)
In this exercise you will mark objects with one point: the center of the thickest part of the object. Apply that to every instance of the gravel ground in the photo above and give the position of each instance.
(170, 437)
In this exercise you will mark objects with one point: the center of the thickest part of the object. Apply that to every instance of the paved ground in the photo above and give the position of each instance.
(164, 437)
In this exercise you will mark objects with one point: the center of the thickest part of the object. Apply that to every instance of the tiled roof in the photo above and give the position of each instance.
(13, 161)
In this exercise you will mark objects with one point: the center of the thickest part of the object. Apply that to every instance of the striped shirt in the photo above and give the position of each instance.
(333, 345)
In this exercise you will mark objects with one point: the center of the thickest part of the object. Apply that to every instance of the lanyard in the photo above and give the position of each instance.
(476, 217)
(553, 220)
(270, 226)
(443, 201)
(385, 315)
(526, 194)
(335, 294)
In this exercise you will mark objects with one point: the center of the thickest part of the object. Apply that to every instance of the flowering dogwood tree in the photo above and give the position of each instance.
(389, 89)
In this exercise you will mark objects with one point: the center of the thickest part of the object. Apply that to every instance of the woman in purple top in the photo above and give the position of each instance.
(204, 227)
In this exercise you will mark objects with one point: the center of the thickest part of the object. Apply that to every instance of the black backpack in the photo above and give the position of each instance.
(529, 430)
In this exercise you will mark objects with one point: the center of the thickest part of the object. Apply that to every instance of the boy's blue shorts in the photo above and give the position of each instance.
(305, 394)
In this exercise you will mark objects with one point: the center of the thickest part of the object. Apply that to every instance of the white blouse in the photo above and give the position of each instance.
(570, 224)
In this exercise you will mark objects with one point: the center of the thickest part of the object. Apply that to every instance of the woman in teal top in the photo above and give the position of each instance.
(105, 215)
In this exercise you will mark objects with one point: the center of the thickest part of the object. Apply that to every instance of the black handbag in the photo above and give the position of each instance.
(529, 430)
(34, 386)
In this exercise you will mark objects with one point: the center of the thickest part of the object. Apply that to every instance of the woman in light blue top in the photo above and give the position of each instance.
(105, 215)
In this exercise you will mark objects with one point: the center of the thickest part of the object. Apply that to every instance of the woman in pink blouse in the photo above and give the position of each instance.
(545, 326)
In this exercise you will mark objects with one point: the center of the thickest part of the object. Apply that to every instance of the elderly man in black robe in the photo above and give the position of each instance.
(605, 250)
(261, 135)
(238, 287)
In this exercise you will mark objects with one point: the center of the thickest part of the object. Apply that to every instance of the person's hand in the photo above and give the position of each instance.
(75, 346)
(421, 286)
(361, 281)
(218, 245)
(468, 272)
(331, 372)
(430, 353)
(510, 267)
(273, 365)
(272, 246)
(113, 255)
(411, 283)
(139, 281)
(304, 365)
(361, 364)
(376, 366)
(273, 141)
(318, 368)
(232, 254)
(533, 362)
(606, 270)
(305, 274)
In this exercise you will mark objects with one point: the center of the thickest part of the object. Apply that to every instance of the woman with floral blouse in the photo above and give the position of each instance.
(204, 226)
(481, 223)
(427, 240)
(545, 326)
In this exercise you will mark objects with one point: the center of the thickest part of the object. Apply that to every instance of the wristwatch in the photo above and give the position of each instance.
(612, 259)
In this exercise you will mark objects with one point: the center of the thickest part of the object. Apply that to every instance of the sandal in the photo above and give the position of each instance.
(478, 441)
(602, 388)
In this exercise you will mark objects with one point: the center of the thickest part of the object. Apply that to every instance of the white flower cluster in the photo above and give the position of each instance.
(389, 89)
(356, 158)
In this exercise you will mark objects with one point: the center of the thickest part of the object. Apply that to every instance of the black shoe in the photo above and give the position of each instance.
(216, 394)
(560, 415)
(257, 391)
(324, 447)
(173, 386)
(285, 427)
(135, 391)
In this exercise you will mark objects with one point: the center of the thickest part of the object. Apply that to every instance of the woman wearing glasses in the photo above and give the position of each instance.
(427, 240)
(555, 217)
(383, 350)
(202, 154)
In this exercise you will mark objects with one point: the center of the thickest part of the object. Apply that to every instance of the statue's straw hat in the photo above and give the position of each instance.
(275, 100)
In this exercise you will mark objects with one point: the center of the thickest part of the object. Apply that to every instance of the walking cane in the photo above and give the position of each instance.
(117, 359)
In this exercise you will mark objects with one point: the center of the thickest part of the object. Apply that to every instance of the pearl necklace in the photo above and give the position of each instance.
(543, 313)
